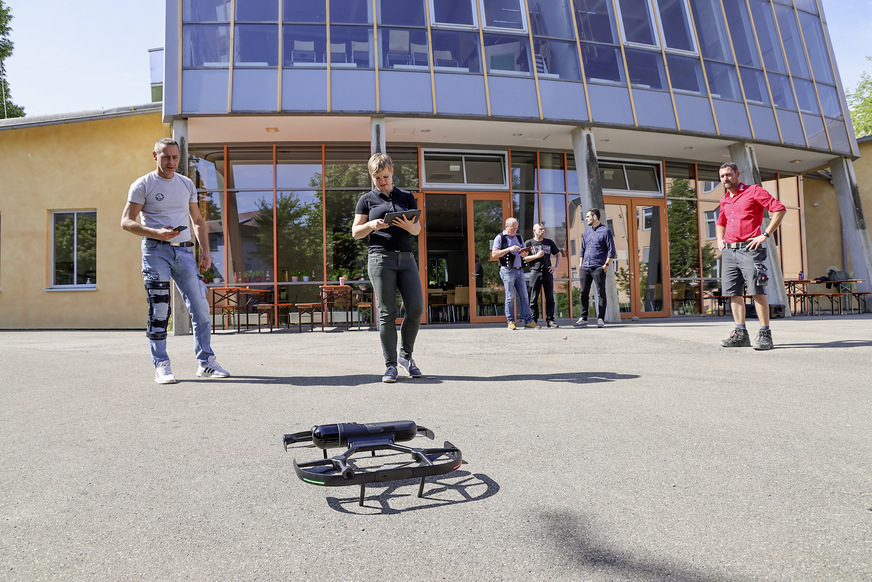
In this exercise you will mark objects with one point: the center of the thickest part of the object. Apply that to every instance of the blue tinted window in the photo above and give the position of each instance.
(206, 11)
(636, 22)
(782, 94)
(257, 45)
(206, 45)
(403, 47)
(807, 5)
(755, 85)
(551, 19)
(304, 11)
(685, 74)
(806, 96)
(257, 11)
(458, 12)
(723, 81)
(504, 14)
(676, 25)
(742, 32)
(456, 51)
(350, 12)
(646, 69)
(556, 59)
(595, 21)
(767, 34)
(602, 64)
(830, 101)
(817, 48)
(506, 54)
(792, 41)
(357, 41)
(304, 46)
(401, 12)
(713, 39)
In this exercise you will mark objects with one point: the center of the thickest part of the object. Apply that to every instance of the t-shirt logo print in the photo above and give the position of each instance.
(159, 196)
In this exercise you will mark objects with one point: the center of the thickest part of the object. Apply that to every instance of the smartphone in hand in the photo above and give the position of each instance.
(180, 228)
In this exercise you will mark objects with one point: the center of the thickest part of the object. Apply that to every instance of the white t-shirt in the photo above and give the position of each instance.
(165, 202)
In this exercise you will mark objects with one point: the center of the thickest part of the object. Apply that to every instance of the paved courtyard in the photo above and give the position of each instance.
(642, 451)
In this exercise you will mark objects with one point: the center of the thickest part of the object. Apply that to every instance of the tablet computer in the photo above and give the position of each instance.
(410, 214)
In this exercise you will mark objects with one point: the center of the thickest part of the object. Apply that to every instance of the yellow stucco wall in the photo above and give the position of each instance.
(823, 222)
(86, 165)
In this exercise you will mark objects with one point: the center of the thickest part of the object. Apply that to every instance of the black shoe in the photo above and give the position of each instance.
(551, 323)
(738, 339)
(764, 340)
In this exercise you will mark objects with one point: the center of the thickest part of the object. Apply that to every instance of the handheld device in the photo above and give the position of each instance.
(180, 228)
(410, 214)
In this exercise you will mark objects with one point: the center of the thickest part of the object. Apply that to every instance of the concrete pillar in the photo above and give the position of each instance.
(854, 230)
(377, 136)
(181, 315)
(587, 168)
(744, 156)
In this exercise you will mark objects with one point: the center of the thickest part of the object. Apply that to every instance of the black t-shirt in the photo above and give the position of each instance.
(375, 205)
(545, 260)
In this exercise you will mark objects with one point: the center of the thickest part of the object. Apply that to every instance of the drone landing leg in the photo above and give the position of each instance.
(362, 493)
(421, 488)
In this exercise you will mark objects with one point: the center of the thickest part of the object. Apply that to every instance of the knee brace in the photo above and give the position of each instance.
(159, 309)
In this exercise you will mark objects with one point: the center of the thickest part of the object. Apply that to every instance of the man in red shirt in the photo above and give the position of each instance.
(740, 240)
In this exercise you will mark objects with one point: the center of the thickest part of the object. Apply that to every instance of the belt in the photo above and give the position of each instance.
(172, 244)
(738, 245)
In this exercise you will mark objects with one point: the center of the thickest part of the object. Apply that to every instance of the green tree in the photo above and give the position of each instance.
(860, 104)
(684, 249)
(9, 108)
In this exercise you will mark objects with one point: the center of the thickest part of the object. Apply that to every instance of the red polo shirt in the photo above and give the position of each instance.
(742, 214)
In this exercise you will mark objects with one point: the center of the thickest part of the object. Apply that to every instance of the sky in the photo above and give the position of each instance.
(93, 54)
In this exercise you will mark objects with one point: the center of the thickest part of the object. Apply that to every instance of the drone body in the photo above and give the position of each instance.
(373, 438)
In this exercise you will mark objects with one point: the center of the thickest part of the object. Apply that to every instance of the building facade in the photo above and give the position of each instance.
(537, 109)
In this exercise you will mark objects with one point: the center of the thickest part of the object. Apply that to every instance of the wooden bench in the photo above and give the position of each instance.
(309, 308)
(273, 312)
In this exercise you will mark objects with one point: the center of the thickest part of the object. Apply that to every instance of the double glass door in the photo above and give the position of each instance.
(463, 284)
(641, 267)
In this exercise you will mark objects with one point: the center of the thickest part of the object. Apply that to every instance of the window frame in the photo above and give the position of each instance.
(464, 185)
(53, 284)
(478, 7)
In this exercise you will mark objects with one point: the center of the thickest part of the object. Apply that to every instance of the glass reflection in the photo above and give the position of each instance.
(507, 55)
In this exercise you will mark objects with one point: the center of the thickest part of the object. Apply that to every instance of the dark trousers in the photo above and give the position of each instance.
(588, 275)
(541, 280)
(391, 273)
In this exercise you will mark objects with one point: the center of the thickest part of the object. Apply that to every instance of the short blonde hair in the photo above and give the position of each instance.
(378, 163)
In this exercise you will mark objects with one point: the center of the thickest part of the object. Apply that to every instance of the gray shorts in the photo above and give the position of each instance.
(742, 267)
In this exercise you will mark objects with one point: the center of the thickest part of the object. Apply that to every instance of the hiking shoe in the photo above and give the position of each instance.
(512, 326)
(738, 339)
(581, 322)
(390, 374)
(410, 367)
(600, 322)
(163, 374)
(764, 340)
(551, 323)
(212, 369)
(532, 325)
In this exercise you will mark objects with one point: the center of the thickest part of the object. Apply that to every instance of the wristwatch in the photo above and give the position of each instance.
(766, 234)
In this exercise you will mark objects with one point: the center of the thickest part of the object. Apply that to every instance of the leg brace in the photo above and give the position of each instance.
(159, 309)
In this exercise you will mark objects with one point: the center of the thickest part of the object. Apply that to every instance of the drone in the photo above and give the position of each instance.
(341, 470)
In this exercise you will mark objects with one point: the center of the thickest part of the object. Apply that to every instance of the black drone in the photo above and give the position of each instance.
(341, 470)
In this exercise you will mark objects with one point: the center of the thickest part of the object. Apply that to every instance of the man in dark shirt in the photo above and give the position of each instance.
(596, 254)
(541, 273)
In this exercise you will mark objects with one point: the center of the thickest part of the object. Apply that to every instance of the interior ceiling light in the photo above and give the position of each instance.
(272, 129)
(795, 161)
(425, 131)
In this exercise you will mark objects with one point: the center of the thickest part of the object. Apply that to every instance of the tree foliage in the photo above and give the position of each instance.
(860, 103)
(9, 109)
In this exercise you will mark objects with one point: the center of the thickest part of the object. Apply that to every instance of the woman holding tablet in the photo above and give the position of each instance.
(391, 264)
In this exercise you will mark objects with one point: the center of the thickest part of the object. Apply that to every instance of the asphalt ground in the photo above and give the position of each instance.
(641, 451)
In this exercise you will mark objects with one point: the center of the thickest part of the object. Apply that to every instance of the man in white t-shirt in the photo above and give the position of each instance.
(168, 204)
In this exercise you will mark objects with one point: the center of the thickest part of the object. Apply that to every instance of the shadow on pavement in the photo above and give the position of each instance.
(362, 379)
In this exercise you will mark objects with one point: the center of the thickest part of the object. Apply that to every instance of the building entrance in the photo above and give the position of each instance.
(463, 284)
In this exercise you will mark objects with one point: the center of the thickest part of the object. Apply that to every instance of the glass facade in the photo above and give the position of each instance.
(766, 54)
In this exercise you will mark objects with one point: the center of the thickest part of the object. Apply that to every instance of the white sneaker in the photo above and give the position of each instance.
(600, 322)
(163, 374)
(212, 369)
(581, 322)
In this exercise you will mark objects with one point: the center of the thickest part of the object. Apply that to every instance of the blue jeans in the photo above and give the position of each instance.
(515, 283)
(160, 262)
(391, 272)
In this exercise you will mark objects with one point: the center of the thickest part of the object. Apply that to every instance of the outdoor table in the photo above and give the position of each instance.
(226, 299)
(797, 291)
(330, 296)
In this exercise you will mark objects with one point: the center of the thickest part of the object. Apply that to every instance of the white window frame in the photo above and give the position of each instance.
(711, 219)
(658, 168)
(502, 154)
(478, 8)
(75, 213)
(655, 20)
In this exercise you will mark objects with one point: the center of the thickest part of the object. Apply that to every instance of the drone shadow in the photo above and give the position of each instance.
(353, 380)
(456, 487)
